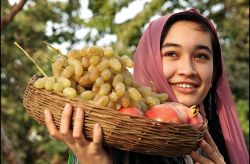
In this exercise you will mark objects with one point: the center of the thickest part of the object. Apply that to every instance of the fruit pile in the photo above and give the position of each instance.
(95, 74)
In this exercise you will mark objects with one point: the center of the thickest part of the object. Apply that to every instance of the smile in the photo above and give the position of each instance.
(185, 85)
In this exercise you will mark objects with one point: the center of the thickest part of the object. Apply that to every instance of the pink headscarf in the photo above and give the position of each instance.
(148, 69)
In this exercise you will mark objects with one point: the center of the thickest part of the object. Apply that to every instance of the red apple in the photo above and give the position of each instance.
(132, 111)
(166, 113)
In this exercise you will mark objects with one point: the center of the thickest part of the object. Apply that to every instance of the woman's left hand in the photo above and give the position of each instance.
(212, 151)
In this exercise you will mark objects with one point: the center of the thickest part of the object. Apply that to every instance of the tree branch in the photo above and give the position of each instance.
(13, 11)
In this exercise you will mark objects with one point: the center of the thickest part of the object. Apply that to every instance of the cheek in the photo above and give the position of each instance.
(168, 69)
(206, 75)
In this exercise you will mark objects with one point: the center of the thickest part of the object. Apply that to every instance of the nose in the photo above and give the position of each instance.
(186, 67)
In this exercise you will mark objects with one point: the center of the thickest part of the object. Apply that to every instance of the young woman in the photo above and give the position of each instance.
(180, 54)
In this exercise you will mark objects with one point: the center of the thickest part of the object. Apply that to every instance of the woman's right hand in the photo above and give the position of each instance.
(85, 151)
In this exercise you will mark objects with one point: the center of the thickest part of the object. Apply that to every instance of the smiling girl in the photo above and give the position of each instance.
(180, 54)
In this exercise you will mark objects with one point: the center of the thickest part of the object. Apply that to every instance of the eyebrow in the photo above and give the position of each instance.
(196, 47)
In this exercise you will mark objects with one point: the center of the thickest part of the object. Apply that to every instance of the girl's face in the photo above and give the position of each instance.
(187, 60)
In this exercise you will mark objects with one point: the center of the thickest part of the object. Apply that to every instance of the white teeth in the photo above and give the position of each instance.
(185, 85)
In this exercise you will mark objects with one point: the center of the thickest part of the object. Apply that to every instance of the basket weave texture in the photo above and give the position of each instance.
(122, 131)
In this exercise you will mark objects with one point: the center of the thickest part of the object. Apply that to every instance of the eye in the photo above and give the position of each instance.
(170, 54)
(202, 56)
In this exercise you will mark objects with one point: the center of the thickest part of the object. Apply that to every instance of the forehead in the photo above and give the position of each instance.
(188, 31)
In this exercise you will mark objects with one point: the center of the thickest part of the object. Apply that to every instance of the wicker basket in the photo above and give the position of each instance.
(122, 131)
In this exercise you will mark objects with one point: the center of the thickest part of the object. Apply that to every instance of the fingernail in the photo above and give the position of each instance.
(79, 111)
(203, 142)
(67, 105)
(46, 112)
(97, 126)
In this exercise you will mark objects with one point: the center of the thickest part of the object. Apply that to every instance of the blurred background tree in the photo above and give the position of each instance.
(68, 24)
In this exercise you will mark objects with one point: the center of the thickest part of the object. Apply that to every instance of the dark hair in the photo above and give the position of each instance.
(209, 102)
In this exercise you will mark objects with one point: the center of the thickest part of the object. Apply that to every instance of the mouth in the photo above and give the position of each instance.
(185, 85)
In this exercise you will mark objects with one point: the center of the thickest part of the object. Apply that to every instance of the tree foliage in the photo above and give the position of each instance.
(29, 28)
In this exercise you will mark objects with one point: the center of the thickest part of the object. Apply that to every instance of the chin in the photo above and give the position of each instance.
(189, 102)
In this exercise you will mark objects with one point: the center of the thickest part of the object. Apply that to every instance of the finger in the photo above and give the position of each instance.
(65, 119)
(65, 124)
(211, 142)
(211, 152)
(198, 158)
(97, 134)
(78, 127)
(51, 126)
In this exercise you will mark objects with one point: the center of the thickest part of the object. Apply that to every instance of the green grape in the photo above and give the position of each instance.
(113, 97)
(127, 80)
(104, 64)
(145, 91)
(108, 51)
(94, 60)
(68, 71)
(135, 84)
(91, 68)
(65, 82)
(94, 74)
(115, 64)
(69, 92)
(106, 74)
(87, 95)
(151, 101)
(85, 80)
(76, 53)
(85, 62)
(56, 70)
(117, 78)
(143, 105)
(58, 87)
(135, 104)
(104, 89)
(102, 101)
(95, 88)
(39, 83)
(95, 50)
(99, 81)
(77, 65)
(134, 94)
(162, 96)
(120, 89)
(79, 89)
(127, 61)
(49, 82)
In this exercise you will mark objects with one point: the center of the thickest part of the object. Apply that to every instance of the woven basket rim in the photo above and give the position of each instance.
(89, 104)
(145, 135)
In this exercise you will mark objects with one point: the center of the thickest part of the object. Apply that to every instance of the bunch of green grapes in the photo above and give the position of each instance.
(97, 75)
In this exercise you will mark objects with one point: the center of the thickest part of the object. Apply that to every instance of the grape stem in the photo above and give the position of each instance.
(55, 49)
(39, 68)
